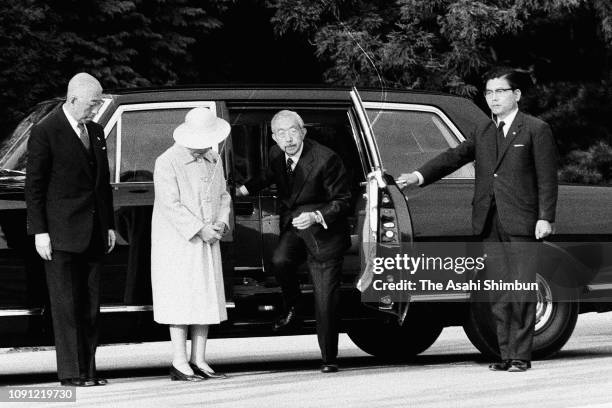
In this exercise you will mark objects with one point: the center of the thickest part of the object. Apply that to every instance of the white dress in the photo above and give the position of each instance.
(186, 272)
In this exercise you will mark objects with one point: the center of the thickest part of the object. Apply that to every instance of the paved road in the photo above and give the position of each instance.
(282, 372)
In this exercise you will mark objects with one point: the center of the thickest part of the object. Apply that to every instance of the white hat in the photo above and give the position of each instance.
(201, 129)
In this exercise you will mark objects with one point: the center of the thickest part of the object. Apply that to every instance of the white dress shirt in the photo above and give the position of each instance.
(507, 121)
(73, 122)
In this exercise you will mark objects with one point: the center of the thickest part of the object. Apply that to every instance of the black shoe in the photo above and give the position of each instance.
(206, 374)
(290, 321)
(503, 366)
(176, 375)
(77, 382)
(519, 366)
(329, 368)
(98, 380)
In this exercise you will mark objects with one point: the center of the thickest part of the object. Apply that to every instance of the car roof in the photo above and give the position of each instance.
(462, 111)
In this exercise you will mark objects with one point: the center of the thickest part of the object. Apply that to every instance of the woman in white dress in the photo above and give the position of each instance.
(190, 215)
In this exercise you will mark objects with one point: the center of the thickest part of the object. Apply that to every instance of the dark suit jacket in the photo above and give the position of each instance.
(522, 180)
(320, 183)
(67, 189)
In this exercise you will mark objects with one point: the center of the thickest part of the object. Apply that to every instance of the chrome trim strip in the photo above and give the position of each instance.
(122, 309)
(248, 268)
(143, 308)
(117, 149)
(362, 115)
(600, 286)
(450, 296)
(22, 312)
(356, 137)
(106, 100)
(307, 321)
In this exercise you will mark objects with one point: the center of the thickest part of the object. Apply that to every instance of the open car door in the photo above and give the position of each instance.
(387, 228)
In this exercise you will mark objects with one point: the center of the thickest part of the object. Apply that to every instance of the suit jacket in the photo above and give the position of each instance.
(320, 183)
(67, 188)
(522, 179)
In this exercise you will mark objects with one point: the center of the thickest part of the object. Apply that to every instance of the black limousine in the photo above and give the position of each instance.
(378, 134)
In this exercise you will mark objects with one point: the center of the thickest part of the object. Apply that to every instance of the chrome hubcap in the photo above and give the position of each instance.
(544, 307)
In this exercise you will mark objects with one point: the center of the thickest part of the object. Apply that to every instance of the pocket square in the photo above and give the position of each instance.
(519, 145)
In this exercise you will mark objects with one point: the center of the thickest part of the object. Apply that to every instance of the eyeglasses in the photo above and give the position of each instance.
(497, 92)
(284, 133)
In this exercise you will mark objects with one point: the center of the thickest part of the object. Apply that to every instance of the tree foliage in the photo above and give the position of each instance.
(564, 46)
(122, 42)
(426, 44)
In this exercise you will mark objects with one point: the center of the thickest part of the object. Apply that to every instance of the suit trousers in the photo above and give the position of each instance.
(326, 279)
(73, 280)
(511, 259)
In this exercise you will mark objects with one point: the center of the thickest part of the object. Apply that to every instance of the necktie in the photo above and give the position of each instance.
(83, 135)
(499, 140)
(289, 169)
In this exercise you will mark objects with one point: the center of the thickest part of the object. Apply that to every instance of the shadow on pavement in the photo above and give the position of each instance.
(352, 365)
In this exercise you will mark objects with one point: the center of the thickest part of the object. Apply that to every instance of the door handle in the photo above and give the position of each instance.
(139, 191)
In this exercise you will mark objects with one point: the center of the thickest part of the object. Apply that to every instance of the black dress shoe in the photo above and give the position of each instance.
(206, 374)
(77, 382)
(98, 380)
(287, 322)
(519, 366)
(503, 366)
(176, 375)
(329, 368)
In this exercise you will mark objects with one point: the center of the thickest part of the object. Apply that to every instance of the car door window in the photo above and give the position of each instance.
(407, 139)
(146, 134)
(137, 134)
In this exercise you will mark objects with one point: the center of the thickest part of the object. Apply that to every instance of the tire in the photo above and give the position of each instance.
(388, 340)
(555, 321)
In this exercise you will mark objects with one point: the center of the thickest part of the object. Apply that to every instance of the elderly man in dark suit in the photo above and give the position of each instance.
(70, 213)
(314, 198)
(514, 206)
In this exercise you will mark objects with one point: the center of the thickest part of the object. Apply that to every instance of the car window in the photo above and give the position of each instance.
(407, 139)
(247, 145)
(145, 134)
(13, 150)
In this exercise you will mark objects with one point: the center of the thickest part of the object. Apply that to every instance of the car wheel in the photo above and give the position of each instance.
(389, 340)
(555, 321)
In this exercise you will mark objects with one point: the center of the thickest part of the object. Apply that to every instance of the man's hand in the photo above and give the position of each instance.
(222, 227)
(543, 229)
(43, 245)
(304, 220)
(112, 239)
(210, 233)
(407, 179)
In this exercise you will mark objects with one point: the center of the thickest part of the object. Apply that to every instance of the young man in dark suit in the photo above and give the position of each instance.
(514, 206)
(314, 198)
(70, 213)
